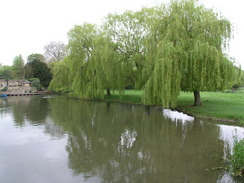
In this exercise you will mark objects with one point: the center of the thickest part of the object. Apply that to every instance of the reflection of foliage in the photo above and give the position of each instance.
(33, 108)
(153, 149)
(128, 138)
(53, 129)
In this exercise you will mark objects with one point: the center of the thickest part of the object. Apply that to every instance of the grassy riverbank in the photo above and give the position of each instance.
(215, 105)
(226, 106)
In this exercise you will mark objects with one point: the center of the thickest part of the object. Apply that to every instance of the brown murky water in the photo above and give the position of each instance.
(57, 139)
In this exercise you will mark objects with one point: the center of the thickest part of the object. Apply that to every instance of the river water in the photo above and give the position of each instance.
(48, 139)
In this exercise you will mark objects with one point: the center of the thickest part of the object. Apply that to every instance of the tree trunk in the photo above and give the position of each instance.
(197, 98)
(108, 92)
(233, 90)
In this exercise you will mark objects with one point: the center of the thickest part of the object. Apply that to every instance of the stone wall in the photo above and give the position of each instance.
(20, 89)
(16, 86)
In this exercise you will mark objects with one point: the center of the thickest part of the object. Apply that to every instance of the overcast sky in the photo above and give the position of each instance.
(28, 25)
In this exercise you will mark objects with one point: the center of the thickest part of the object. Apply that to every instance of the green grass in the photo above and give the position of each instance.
(237, 159)
(130, 96)
(219, 105)
(215, 105)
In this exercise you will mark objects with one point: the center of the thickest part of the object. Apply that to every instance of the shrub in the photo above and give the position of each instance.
(36, 83)
(4, 89)
(237, 159)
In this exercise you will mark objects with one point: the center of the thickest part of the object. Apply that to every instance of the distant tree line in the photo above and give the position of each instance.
(37, 69)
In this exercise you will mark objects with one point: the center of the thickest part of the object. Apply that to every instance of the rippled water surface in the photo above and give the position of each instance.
(57, 139)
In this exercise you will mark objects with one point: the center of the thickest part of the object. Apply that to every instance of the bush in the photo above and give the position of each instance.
(237, 159)
(36, 83)
(4, 89)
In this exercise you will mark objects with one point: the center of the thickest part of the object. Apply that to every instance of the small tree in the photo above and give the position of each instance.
(6, 71)
(36, 83)
(35, 56)
(38, 69)
(18, 67)
(55, 51)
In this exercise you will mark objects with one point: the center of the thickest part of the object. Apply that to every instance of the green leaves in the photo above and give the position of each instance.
(38, 69)
(18, 67)
(162, 50)
(237, 159)
(92, 66)
(187, 52)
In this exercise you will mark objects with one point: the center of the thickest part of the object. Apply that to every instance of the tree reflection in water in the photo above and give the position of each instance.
(28, 108)
(126, 143)
(31, 110)
(128, 138)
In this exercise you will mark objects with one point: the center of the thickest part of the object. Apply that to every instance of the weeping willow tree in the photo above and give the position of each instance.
(62, 76)
(82, 44)
(92, 67)
(128, 31)
(106, 68)
(163, 50)
(67, 73)
(185, 53)
(110, 57)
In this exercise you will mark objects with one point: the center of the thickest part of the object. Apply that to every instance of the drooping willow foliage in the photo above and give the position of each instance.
(162, 50)
(189, 41)
(62, 79)
(92, 66)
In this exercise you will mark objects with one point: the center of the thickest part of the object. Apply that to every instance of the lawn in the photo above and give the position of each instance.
(130, 96)
(223, 105)
(215, 105)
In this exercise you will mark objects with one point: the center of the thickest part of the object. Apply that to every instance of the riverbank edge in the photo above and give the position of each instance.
(184, 111)
(227, 121)
(211, 118)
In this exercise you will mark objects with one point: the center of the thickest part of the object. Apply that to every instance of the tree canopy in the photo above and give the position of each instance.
(55, 51)
(35, 56)
(187, 43)
(6, 71)
(36, 68)
(18, 67)
(161, 50)
(91, 66)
